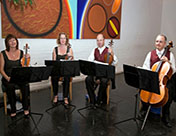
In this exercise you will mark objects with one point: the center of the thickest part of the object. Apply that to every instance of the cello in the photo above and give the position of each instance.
(25, 61)
(108, 58)
(165, 72)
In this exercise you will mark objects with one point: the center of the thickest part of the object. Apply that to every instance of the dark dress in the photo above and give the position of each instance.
(10, 87)
(55, 78)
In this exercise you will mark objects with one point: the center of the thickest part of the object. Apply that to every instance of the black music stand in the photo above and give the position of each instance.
(25, 75)
(141, 79)
(63, 69)
(99, 70)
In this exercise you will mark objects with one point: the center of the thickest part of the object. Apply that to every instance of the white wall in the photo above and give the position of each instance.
(139, 27)
(168, 23)
(141, 22)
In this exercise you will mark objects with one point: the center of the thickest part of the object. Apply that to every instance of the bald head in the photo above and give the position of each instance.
(100, 40)
(160, 42)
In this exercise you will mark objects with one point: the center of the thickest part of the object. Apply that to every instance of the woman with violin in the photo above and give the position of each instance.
(163, 60)
(101, 54)
(9, 58)
(62, 51)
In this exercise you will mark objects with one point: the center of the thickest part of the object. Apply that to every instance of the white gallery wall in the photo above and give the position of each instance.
(168, 22)
(141, 21)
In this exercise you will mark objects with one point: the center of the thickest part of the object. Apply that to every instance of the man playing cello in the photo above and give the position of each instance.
(153, 57)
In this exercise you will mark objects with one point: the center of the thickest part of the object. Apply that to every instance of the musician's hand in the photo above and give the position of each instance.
(70, 57)
(27, 56)
(110, 51)
(164, 58)
(8, 79)
(97, 81)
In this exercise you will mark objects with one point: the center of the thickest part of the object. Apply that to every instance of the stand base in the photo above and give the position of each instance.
(135, 114)
(90, 107)
(126, 120)
(61, 103)
(30, 116)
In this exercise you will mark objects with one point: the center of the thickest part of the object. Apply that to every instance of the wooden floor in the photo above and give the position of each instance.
(59, 121)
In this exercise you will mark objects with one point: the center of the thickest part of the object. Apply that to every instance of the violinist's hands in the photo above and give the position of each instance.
(70, 56)
(27, 56)
(111, 51)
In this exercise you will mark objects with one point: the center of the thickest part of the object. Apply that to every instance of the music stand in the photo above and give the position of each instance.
(98, 70)
(25, 75)
(63, 69)
(141, 79)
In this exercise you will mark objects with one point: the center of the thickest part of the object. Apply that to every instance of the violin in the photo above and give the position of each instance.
(108, 58)
(67, 57)
(165, 72)
(25, 61)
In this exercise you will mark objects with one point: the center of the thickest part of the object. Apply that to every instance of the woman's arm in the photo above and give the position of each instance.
(54, 54)
(2, 68)
(70, 54)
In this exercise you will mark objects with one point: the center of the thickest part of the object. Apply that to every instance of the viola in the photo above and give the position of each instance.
(108, 58)
(67, 57)
(165, 72)
(25, 61)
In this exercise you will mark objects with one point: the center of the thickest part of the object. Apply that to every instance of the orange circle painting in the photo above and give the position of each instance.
(45, 19)
(97, 14)
(102, 16)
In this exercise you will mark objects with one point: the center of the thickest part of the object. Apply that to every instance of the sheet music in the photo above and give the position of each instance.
(97, 62)
(143, 68)
(37, 65)
(68, 60)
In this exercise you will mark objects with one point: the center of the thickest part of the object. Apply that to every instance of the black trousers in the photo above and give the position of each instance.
(10, 90)
(171, 85)
(66, 85)
(90, 86)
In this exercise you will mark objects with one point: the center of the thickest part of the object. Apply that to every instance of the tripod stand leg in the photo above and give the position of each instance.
(66, 107)
(79, 110)
(30, 115)
(35, 124)
(135, 112)
(52, 107)
(38, 114)
(145, 119)
(74, 107)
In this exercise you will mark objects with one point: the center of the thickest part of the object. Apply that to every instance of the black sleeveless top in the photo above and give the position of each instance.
(58, 57)
(10, 64)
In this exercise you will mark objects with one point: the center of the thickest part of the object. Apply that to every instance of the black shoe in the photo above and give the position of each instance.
(66, 106)
(26, 116)
(101, 104)
(54, 103)
(93, 106)
(166, 121)
(13, 117)
(168, 124)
